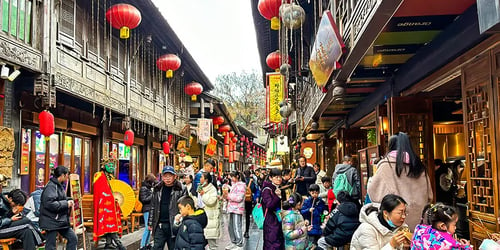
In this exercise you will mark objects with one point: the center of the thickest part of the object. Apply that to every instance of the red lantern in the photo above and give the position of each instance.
(226, 151)
(124, 17)
(170, 137)
(274, 60)
(168, 63)
(166, 147)
(270, 10)
(218, 120)
(128, 138)
(231, 134)
(224, 128)
(46, 123)
(226, 139)
(231, 157)
(235, 140)
(193, 89)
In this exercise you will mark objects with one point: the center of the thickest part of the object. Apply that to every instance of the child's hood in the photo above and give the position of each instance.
(349, 209)
(200, 216)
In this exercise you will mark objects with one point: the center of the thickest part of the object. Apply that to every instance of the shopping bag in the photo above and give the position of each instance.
(258, 215)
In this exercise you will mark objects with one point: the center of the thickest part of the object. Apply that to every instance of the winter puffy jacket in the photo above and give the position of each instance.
(344, 220)
(190, 232)
(177, 192)
(294, 230)
(145, 196)
(54, 210)
(371, 234)
(209, 198)
(236, 198)
(319, 207)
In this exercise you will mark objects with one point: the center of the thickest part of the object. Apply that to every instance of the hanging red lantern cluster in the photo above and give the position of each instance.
(274, 60)
(193, 89)
(218, 120)
(128, 138)
(47, 125)
(124, 17)
(168, 63)
(270, 10)
(224, 129)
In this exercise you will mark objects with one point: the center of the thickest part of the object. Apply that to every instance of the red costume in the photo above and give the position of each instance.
(107, 213)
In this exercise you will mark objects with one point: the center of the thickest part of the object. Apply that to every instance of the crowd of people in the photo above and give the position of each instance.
(302, 207)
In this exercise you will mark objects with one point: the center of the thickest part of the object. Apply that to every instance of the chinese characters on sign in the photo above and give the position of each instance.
(211, 147)
(204, 126)
(327, 50)
(275, 94)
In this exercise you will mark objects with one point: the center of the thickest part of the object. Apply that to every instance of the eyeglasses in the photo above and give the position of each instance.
(402, 213)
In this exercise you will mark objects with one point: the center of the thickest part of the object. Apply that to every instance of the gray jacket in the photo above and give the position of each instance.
(352, 176)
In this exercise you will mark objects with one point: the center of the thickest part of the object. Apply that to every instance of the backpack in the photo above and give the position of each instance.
(341, 183)
(248, 192)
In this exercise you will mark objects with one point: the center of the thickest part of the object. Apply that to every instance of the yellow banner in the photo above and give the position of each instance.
(276, 95)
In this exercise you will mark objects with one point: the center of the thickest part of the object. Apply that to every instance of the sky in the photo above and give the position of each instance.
(219, 34)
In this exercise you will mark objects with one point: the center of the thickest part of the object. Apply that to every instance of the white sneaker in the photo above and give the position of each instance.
(231, 246)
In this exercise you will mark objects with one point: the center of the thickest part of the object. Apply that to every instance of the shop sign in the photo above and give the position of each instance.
(181, 145)
(327, 49)
(211, 147)
(275, 92)
(204, 130)
(25, 153)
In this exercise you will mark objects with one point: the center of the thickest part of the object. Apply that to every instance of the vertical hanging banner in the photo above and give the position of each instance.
(211, 147)
(275, 94)
(204, 126)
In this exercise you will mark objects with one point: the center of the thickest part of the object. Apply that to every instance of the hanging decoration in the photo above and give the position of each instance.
(231, 134)
(123, 17)
(218, 120)
(269, 9)
(293, 15)
(274, 60)
(193, 89)
(224, 129)
(168, 63)
(47, 124)
(166, 147)
(128, 138)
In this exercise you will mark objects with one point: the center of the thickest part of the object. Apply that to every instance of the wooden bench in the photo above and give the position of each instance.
(5, 243)
(88, 211)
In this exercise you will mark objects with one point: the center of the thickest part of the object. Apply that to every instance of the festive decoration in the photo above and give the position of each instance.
(166, 147)
(231, 134)
(274, 60)
(293, 15)
(46, 123)
(224, 128)
(226, 151)
(235, 140)
(269, 9)
(168, 63)
(124, 17)
(226, 139)
(128, 138)
(193, 89)
(218, 120)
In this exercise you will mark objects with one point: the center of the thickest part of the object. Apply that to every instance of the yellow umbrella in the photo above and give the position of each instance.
(125, 196)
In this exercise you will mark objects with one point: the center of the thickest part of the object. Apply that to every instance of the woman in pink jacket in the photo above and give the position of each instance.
(236, 209)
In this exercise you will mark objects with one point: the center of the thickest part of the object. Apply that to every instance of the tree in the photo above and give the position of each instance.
(244, 96)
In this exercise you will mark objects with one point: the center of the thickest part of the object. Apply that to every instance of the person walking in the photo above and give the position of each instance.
(304, 177)
(236, 209)
(54, 211)
(208, 195)
(164, 208)
(347, 175)
(271, 203)
(402, 173)
(145, 197)
(251, 189)
(320, 173)
(208, 167)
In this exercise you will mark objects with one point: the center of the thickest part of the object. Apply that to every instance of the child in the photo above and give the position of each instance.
(323, 190)
(189, 225)
(312, 210)
(342, 223)
(293, 224)
(287, 185)
(437, 232)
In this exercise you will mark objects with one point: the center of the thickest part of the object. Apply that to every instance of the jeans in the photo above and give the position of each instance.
(163, 234)
(235, 229)
(66, 233)
(146, 235)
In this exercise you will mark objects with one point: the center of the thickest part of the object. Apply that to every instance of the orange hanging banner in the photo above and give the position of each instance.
(211, 147)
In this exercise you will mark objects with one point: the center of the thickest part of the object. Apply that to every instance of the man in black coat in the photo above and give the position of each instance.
(54, 211)
(305, 176)
(164, 208)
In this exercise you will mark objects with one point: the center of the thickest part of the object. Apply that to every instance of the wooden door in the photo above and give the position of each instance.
(413, 115)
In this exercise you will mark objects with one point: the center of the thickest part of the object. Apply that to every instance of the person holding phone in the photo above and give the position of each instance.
(54, 211)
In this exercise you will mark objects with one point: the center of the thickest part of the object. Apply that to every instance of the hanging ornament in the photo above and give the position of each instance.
(168, 63)
(193, 89)
(269, 9)
(235, 140)
(224, 129)
(274, 60)
(47, 125)
(226, 151)
(166, 147)
(124, 17)
(218, 120)
(128, 138)
(293, 15)
(231, 134)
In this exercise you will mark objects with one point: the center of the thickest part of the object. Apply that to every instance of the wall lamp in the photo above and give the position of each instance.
(14, 74)
(4, 73)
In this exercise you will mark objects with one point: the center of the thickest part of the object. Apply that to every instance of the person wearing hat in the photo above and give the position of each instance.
(164, 208)
(187, 166)
(209, 167)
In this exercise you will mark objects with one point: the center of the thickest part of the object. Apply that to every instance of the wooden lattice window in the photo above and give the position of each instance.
(480, 149)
